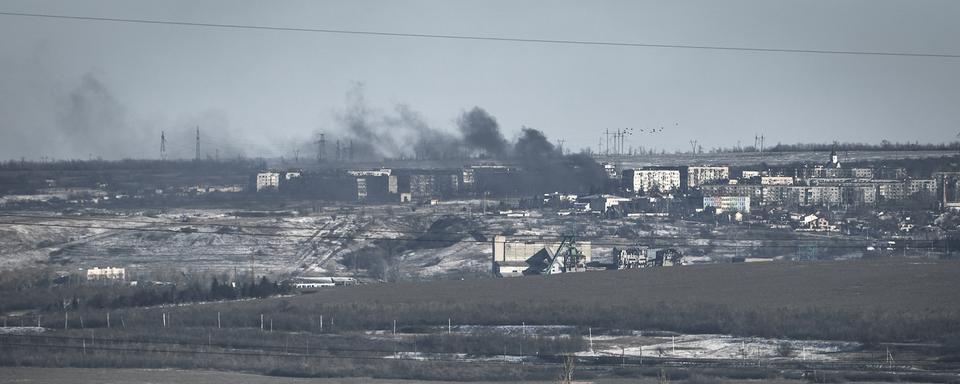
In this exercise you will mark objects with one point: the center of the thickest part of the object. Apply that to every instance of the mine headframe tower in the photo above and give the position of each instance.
(567, 258)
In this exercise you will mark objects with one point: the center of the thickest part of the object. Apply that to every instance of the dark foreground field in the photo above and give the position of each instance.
(864, 300)
(908, 306)
(889, 300)
(170, 376)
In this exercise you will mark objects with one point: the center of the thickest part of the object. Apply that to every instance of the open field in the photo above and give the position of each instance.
(863, 300)
(909, 307)
(346, 240)
(172, 376)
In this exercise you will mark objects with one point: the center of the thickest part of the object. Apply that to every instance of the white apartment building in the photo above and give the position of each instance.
(645, 180)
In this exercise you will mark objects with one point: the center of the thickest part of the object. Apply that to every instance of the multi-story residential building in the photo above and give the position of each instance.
(861, 173)
(948, 187)
(728, 203)
(754, 191)
(776, 180)
(700, 175)
(892, 190)
(858, 194)
(890, 173)
(649, 179)
(925, 187)
(268, 180)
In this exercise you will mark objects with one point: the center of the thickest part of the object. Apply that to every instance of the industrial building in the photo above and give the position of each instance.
(526, 257)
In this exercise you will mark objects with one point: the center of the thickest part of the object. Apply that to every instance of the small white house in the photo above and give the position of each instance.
(108, 273)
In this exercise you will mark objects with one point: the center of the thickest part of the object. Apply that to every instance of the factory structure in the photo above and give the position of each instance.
(521, 257)
(518, 257)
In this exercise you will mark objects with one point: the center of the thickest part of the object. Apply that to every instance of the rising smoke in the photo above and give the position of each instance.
(482, 133)
(403, 134)
(92, 122)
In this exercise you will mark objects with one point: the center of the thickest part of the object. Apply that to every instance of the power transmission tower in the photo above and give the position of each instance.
(339, 151)
(693, 146)
(560, 145)
(322, 143)
(607, 134)
(163, 145)
(761, 143)
(197, 157)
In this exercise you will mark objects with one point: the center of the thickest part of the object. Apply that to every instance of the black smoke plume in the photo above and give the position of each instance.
(547, 170)
(481, 132)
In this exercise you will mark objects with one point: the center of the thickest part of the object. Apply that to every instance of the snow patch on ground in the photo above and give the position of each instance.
(718, 347)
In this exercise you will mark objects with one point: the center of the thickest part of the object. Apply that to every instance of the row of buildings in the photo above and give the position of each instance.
(819, 185)
(370, 185)
(721, 187)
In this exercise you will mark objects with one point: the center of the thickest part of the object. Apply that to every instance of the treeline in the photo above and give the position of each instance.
(45, 296)
(884, 145)
(241, 164)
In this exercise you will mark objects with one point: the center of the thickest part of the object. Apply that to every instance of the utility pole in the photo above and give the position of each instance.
(163, 145)
(607, 134)
(322, 143)
(197, 157)
(253, 277)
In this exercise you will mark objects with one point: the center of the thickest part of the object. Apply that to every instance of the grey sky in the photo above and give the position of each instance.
(78, 88)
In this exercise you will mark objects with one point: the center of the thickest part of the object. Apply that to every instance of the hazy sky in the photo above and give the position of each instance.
(78, 88)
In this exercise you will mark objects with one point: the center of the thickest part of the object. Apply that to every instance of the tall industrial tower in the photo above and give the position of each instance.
(198, 144)
(321, 147)
(163, 146)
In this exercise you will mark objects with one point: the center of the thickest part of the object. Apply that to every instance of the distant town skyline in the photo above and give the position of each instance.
(79, 88)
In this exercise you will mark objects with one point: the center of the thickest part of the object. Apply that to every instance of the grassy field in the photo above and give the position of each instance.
(864, 300)
(872, 301)
(172, 376)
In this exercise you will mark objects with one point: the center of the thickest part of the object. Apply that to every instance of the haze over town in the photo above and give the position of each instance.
(496, 191)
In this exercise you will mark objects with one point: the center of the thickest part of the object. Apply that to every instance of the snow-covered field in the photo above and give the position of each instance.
(327, 242)
(717, 347)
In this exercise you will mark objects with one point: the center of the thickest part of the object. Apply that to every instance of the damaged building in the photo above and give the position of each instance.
(515, 257)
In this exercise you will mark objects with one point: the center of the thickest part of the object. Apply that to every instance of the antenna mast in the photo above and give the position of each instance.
(163, 146)
(322, 143)
(197, 157)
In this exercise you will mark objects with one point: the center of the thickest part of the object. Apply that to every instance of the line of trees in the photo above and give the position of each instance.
(884, 145)
(239, 163)
(41, 289)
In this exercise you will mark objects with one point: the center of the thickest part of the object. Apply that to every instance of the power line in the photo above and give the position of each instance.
(482, 38)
